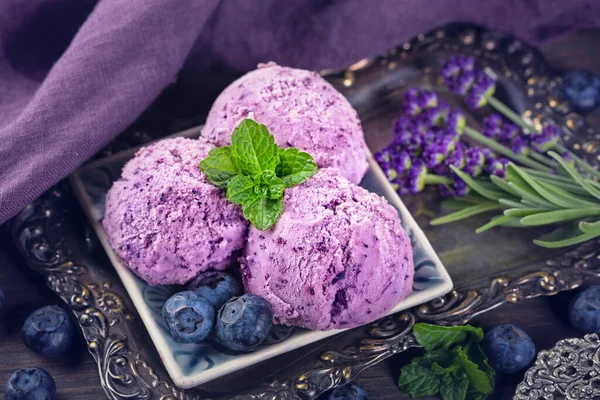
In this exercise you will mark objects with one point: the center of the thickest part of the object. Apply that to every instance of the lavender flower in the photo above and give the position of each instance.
(475, 160)
(491, 126)
(456, 122)
(463, 83)
(416, 176)
(483, 86)
(401, 162)
(427, 99)
(520, 146)
(545, 140)
(438, 115)
(403, 123)
(509, 132)
(494, 166)
(458, 189)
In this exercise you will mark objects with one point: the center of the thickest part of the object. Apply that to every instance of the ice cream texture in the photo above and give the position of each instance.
(165, 221)
(337, 258)
(300, 109)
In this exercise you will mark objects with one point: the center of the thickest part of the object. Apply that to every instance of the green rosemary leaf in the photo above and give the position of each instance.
(568, 187)
(502, 184)
(496, 221)
(554, 196)
(576, 201)
(514, 223)
(531, 199)
(455, 204)
(566, 242)
(589, 227)
(553, 217)
(466, 213)
(512, 204)
(576, 176)
(488, 194)
(523, 212)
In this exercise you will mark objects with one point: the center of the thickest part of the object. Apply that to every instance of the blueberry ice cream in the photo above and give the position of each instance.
(300, 109)
(166, 221)
(337, 258)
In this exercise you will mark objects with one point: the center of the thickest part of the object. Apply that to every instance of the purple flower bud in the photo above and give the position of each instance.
(545, 140)
(391, 174)
(383, 156)
(437, 116)
(461, 189)
(401, 162)
(509, 132)
(475, 161)
(475, 99)
(466, 63)
(433, 159)
(427, 99)
(403, 123)
(488, 154)
(411, 108)
(463, 83)
(416, 176)
(520, 146)
(492, 121)
(412, 95)
(446, 144)
(456, 121)
(451, 68)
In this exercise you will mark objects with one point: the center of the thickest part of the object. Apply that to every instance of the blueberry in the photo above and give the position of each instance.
(217, 287)
(584, 310)
(582, 89)
(350, 391)
(49, 331)
(244, 322)
(30, 384)
(189, 316)
(509, 348)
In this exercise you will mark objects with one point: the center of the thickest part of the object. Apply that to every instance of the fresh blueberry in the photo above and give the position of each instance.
(244, 322)
(509, 348)
(30, 384)
(350, 391)
(217, 287)
(49, 331)
(584, 310)
(189, 316)
(582, 89)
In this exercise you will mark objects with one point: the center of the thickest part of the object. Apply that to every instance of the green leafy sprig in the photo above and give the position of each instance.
(529, 197)
(453, 365)
(255, 172)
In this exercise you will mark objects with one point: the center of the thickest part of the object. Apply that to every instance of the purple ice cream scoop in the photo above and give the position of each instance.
(166, 221)
(337, 258)
(300, 109)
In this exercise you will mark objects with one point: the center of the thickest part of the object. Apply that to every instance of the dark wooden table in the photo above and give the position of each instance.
(76, 376)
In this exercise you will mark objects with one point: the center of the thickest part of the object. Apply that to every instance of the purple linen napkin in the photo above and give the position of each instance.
(75, 73)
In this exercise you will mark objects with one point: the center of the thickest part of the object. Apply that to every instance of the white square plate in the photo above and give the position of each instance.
(190, 365)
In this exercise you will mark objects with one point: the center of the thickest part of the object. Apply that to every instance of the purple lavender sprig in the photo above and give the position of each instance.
(463, 78)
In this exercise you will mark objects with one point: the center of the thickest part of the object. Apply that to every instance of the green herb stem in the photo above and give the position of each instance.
(505, 151)
(509, 113)
(431, 179)
(542, 159)
(578, 161)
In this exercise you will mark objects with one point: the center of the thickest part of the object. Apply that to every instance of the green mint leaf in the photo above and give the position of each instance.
(418, 381)
(433, 337)
(442, 357)
(254, 148)
(477, 355)
(268, 185)
(479, 379)
(241, 189)
(295, 166)
(454, 386)
(262, 212)
(220, 166)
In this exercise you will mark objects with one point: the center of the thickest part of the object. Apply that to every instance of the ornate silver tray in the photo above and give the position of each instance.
(53, 236)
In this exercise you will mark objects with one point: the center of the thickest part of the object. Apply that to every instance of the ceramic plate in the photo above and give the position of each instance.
(190, 365)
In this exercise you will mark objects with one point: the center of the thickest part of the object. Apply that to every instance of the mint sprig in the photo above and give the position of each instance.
(453, 365)
(255, 172)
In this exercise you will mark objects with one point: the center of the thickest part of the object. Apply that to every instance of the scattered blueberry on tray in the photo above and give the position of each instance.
(584, 310)
(582, 89)
(244, 322)
(189, 316)
(30, 384)
(217, 287)
(350, 391)
(49, 331)
(509, 348)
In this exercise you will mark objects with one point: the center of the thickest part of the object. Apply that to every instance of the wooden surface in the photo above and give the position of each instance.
(76, 376)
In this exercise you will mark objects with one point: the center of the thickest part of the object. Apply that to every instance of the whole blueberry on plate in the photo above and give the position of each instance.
(584, 310)
(350, 391)
(217, 287)
(509, 348)
(189, 317)
(582, 89)
(244, 322)
(49, 331)
(30, 384)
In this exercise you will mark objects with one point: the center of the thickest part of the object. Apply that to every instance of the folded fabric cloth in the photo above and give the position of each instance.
(75, 73)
